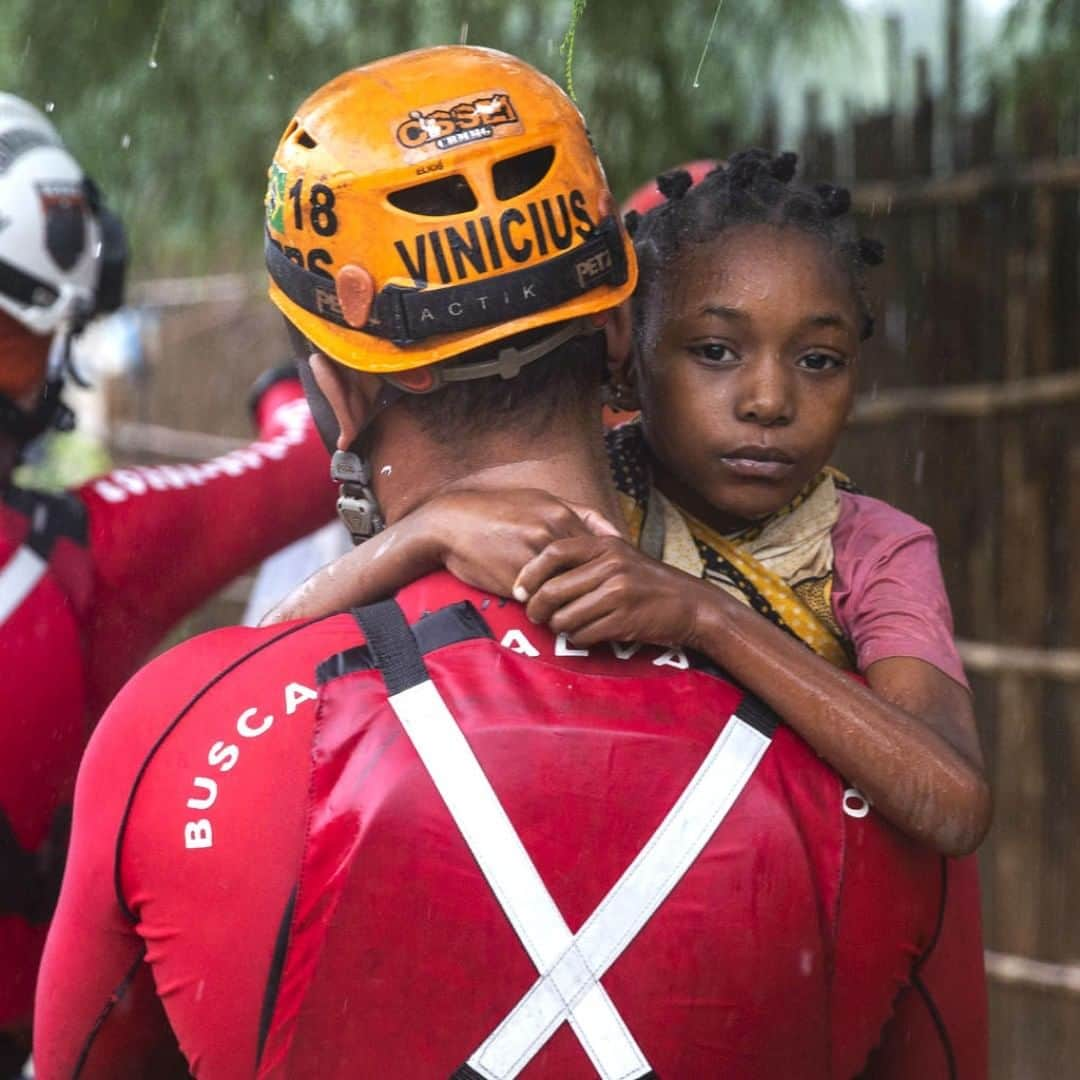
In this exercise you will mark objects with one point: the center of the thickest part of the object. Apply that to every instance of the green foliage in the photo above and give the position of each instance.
(1052, 18)
(63, 460)
(175, 106)
(1037, 62)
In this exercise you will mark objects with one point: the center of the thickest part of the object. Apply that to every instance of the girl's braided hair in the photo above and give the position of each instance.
(753, 188)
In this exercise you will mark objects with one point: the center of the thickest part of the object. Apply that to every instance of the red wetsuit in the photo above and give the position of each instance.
(90, 581)
(253, 829)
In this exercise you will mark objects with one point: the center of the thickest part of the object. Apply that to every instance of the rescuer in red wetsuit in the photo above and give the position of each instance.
(432, 838)
(91, 579)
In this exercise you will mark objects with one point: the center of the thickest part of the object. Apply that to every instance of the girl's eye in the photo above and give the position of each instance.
(820, 361)
(713, 351)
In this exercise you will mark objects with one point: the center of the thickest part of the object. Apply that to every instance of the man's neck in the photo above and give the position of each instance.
(571, 465)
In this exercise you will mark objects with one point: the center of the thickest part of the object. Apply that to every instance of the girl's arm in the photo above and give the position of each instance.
(483, 538)
(907, 740)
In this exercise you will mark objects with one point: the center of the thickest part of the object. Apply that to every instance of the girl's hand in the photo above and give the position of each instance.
(599, 588)
(487, 537)
(482, 537)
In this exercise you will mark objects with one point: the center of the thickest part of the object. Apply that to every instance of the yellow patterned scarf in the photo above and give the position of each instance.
(782, 566)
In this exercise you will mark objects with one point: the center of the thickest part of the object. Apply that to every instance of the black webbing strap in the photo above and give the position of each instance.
(753, 711)
(25, 288)
(30, 880)
(406, 316)
(436, 630)
(50, 411)
(392, 645)
(19, 886)
(51, 516)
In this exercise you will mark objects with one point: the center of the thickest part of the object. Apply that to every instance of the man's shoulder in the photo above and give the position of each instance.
(177, 678)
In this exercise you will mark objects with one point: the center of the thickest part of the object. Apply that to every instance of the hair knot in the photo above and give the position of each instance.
(674, 184)
(782, 167)
(836, 201)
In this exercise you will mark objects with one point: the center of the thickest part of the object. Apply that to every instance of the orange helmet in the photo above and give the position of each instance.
(648, 196)
(430, 203)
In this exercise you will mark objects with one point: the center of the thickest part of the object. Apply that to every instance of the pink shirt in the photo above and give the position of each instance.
(888, 592)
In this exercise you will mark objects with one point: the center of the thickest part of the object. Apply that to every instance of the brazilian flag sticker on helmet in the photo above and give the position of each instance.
(275, 198)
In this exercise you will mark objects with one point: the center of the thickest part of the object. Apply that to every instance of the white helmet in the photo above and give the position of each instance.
(51, 233)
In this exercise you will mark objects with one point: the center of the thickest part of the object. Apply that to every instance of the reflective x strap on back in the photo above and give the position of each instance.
(570, 966)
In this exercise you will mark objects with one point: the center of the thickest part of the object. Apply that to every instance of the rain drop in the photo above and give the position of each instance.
(125, 141)
(50, 105)
(464, 38)
(270, 76)
(708, 40)
(152, 62)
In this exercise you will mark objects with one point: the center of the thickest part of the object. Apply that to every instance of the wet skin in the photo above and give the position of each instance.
(751, 373)
(749, 379)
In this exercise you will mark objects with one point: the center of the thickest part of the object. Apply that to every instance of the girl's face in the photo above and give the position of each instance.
(752, 373)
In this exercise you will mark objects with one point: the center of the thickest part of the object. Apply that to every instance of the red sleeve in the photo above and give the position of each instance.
(96, 1000)
(164, 539)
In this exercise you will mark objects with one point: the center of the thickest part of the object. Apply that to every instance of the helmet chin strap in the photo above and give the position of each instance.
(357, 506)
(26, 425)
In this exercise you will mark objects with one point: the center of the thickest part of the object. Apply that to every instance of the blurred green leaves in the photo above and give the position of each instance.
(176, 106)
(1044, 38)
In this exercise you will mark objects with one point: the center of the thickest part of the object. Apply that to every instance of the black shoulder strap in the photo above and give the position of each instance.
(51, 517)
(30, 880)
(392, 645)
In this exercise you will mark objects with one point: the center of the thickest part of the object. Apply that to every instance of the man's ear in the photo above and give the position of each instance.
(620, 358)
(344, 395)
(619, 331)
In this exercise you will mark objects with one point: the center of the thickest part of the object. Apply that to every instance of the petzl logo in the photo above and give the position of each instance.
(590, 270)
(275, 199)
(444, 127)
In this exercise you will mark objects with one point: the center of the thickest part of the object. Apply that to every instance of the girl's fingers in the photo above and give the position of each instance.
(605, 628)
(597, 605)
(558, 592)
(556, 558)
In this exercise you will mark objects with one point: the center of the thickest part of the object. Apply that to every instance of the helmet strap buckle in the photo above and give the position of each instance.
(357, 506)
